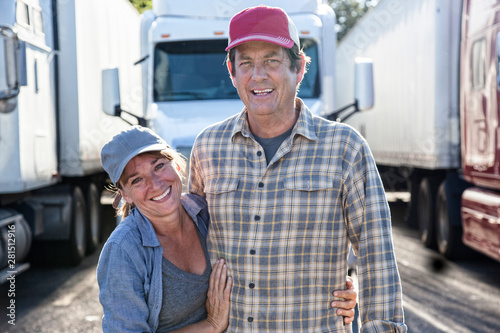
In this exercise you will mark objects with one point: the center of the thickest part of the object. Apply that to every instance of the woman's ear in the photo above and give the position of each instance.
(126, 197)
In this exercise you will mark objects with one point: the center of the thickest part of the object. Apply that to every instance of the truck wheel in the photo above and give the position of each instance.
(94, 226)
(425, 212)
(75, 247)
(448, 234)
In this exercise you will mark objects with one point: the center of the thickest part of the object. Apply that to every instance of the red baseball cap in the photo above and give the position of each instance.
(262, 23)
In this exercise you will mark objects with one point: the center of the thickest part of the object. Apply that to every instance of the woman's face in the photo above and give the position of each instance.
(153, 184)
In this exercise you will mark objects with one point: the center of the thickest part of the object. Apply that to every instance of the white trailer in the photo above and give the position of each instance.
(414, 128)
(52, 126)
(186, 85)
(415, 48)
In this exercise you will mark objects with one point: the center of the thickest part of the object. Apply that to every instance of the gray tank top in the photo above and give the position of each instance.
(184, 294)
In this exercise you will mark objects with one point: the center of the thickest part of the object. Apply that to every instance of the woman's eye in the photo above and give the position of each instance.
(135, 181)
(159, 166)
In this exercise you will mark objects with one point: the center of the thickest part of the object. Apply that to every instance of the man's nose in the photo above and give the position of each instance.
(259, 72)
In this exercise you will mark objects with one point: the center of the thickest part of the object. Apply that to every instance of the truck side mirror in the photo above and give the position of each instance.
(111, 103)
(363, 83)
(111, 92)
(363, 91)
(9, 70)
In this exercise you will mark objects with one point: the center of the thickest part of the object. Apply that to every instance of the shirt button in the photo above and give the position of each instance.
(252, 252)
(250, 319)
(257, 218)
(261, 184)
(259, 153)
(251, 285)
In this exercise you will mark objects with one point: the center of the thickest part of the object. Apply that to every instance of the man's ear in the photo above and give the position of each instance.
(230, 69)
(301, 70)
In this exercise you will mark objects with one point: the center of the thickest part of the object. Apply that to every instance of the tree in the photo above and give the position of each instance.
(141, 5)
(348, 13)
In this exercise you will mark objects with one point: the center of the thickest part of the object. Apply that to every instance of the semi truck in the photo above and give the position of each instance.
(52, 125)
(186, 85)
(434, 128)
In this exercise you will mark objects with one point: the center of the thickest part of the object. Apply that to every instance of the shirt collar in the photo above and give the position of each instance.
(304, 125)
(146, 229)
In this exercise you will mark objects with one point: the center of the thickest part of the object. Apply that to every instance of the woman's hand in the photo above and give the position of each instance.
(346, 307)
(218, 294)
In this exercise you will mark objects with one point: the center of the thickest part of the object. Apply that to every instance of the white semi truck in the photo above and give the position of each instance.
(52, 126)
(186, 85)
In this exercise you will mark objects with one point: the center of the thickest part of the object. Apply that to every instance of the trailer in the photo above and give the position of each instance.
(52, 125)
(434, 127)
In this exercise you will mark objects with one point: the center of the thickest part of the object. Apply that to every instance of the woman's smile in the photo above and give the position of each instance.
(158, 198)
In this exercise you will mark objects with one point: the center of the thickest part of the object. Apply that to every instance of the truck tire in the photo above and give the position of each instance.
(76, 246)
(94, 222)
(448, 234)
(425, 212)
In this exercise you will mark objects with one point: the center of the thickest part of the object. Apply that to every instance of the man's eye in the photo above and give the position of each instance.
(135, 181)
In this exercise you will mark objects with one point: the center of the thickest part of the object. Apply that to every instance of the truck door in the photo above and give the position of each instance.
(480, 128)
(29, 133)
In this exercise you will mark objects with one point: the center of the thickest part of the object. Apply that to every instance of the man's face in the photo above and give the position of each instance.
(263, 79)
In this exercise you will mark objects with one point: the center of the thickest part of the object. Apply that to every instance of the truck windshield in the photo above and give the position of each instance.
(195, 70)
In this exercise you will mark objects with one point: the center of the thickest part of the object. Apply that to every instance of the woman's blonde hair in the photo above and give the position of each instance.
(121, 206)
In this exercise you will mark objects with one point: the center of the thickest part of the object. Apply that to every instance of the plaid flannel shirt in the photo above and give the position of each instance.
(285, 228)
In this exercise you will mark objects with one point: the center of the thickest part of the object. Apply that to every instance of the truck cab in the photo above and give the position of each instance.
(480, 128)
(186, 85)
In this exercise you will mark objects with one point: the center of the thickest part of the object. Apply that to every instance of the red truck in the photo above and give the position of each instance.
(434, 129)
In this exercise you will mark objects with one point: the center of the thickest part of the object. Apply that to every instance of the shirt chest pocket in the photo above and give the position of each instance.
(311, 202)
(308, 183)
(221, 192)
(221, 185)
(311, 191)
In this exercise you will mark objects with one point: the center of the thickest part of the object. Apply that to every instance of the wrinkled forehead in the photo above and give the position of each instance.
(258, 49)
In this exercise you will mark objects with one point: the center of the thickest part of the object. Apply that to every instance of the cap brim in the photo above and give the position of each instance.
(123, 164)
(284, 42)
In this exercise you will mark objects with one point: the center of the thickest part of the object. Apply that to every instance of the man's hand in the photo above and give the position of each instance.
(345, 301)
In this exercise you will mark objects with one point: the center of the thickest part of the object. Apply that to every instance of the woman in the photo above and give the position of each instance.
(154, 272)
(158, 252)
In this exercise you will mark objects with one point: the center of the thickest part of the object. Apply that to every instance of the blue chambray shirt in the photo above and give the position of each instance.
(129, 271)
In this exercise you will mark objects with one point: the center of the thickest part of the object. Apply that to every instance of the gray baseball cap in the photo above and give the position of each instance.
(125, 146)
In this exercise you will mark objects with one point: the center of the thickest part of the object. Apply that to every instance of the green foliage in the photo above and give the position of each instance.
(348, 13)
(142, 5)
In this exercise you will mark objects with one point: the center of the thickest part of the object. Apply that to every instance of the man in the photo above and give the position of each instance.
(288, 192)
